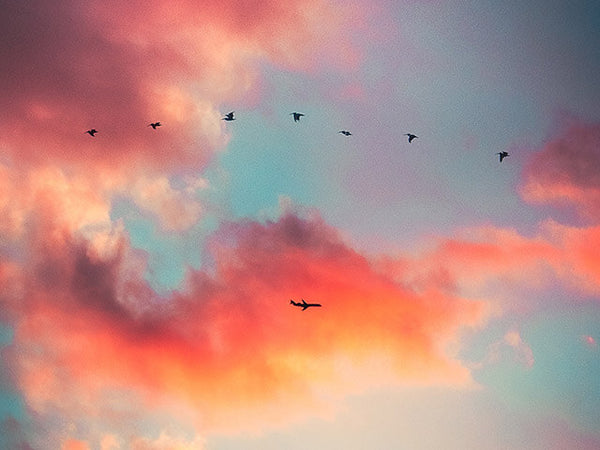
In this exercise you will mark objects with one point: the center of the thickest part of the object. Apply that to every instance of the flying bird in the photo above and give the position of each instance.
(345, 133)
(229, 116)
(92, 132)
(297, 116)
(303, 304)
(410, 136)
(154, 125)
(502, 155)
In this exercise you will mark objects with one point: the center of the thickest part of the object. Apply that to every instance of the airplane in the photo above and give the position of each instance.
(297, 116)
(303, 304)
(154, 125)
(229, 116)
(92, 132)
(345, 133)
(410, 136)
(502, 155)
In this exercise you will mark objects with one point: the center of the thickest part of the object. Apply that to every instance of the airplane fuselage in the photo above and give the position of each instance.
(304, 305)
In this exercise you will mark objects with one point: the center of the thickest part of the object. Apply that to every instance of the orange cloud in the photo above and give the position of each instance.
(478, 256)
(229, 346)
(579, 264)
(491, 256)
(74, 444)
(90, 332)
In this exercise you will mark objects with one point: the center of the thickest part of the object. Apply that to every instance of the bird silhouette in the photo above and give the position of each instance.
(297, 116)
(502, 155)
(154, 125)
(229, 116)
(345, 133)
(410, 136)
(92, 132)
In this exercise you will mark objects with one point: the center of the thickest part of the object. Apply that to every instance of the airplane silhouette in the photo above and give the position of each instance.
(154, 125)
(502, 155)
(410, 136)
(345, 133)
(229, 116)
(297, 116)
(92, 132)
(303, 304)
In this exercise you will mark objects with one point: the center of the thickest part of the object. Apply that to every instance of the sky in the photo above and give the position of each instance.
(146, 274)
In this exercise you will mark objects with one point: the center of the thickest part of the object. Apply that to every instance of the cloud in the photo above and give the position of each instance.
(475, 256)
(501, 263)
(94, 342)
(520, 351)
(167, 442)
(74, 444)
(523, 352)
(117, 67)
(589, 341)
(566, 170)
(227, 346)
(174, 209)
(90, 332)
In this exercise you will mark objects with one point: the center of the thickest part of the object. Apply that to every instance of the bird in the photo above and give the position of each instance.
(154, 125)
(502, 155)
(92, 132)
(229, 116)
(345, 133)
(297, 116)
(410, 136)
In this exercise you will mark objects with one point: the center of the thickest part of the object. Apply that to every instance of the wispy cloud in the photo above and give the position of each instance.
(498, 351)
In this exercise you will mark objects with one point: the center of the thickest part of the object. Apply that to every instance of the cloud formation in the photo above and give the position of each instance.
(566, 170)
(93, 340)
(118, 67)
(228, 344)
(512, 348)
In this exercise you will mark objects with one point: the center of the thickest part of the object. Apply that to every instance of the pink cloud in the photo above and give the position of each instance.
(117, 67)
(589, 341)
(89, 331)
(227, 346)
(566, 170)
(174, 209)
(476, 257)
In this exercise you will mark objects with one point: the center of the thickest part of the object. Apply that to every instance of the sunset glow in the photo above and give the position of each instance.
(146, 271)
